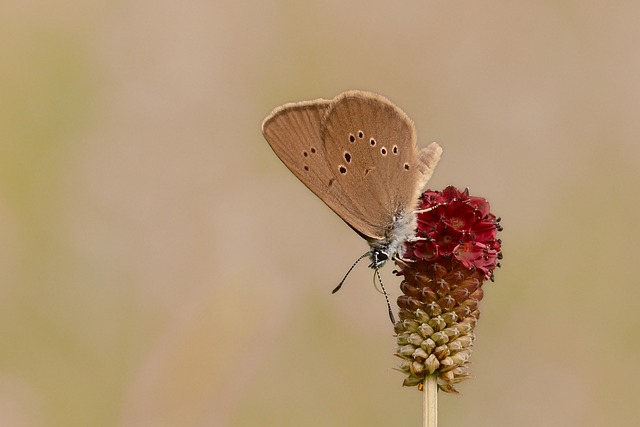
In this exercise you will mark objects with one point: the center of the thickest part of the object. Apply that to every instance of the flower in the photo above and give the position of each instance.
(455, 250)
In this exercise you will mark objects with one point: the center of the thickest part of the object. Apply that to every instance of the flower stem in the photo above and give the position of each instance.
(430, 402)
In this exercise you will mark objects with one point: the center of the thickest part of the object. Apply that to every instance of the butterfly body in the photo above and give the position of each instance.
(357, 152)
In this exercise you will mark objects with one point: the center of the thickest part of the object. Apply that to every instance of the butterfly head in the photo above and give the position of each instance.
(397, 233)
(378, 257)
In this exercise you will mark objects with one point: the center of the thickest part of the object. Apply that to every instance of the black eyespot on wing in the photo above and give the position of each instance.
(360, 134)
(305, 167)
(383, 151)
(406, 166)
(342, 169)
(395, 149)
(372, 142)
(304, 153)
(352, 138)
(347, 156)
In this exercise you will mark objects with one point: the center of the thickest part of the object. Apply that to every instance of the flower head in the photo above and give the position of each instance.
(444, 266)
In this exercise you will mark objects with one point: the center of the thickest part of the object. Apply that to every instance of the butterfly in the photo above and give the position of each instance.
(357, 152)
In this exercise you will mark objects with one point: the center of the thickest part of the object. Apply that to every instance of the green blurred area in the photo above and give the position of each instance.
(160, 267)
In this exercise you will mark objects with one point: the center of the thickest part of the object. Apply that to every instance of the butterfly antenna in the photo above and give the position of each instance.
(337, 288)
(377, 274)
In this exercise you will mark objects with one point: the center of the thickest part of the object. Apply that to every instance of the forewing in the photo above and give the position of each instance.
(371, 150)
(293, 131)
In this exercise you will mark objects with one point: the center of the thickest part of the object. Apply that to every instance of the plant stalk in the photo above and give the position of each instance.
(430, 402)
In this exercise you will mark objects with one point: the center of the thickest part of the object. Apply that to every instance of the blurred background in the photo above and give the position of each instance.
(159, 266)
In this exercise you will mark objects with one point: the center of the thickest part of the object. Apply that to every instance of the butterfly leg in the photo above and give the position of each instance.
(404, 261)
(429, 209)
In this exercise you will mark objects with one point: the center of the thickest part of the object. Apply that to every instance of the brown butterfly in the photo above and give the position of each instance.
(357, 152)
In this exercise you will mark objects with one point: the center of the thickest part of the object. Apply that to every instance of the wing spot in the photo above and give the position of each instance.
(343, 170)
(383, 151)
(372, 142)
(305, 167)
(347, 156)
(313, 150)
(395, 149)
(406, 166)
(360, 134)
(304, 153)
(352, 138)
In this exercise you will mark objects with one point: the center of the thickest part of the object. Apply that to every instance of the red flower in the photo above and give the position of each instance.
(454, 224)
(444, 266)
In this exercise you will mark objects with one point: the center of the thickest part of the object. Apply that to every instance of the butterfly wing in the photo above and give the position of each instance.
(428, 158)
(371, 150)
(293, 132)
(312, 138)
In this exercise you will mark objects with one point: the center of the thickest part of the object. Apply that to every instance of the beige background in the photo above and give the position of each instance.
(160, 267)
